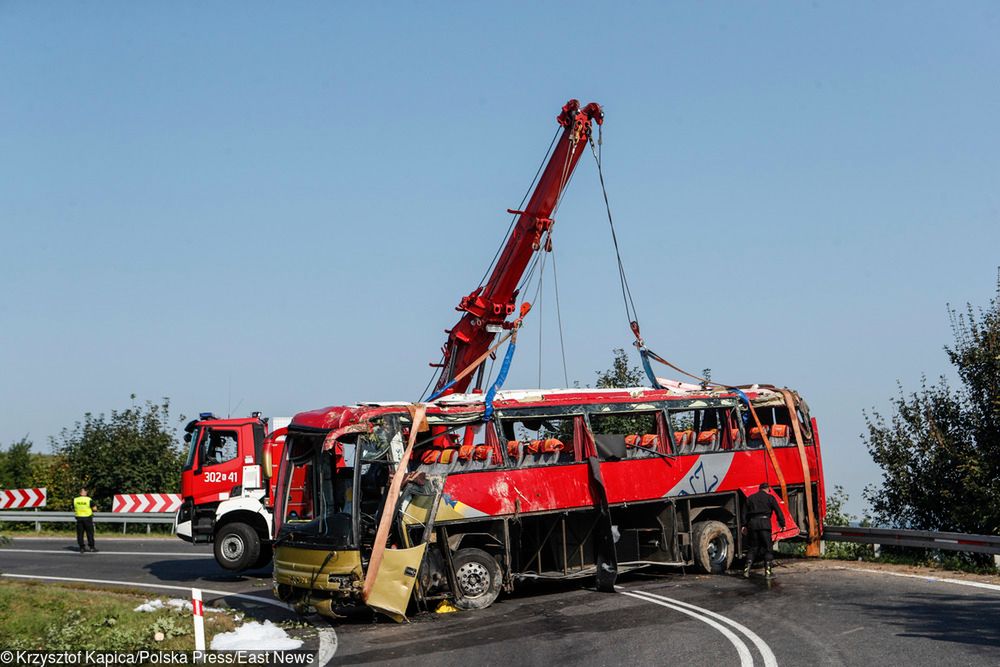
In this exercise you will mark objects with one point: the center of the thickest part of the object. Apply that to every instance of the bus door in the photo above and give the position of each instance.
(416, 513)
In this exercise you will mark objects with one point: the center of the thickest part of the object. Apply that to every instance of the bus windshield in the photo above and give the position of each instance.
(324, 501)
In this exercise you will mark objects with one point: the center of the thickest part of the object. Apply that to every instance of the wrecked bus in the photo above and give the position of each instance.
(556, 484)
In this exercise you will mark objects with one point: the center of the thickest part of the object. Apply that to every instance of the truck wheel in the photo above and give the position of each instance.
(713, 546)
(266, 554)
(478, 577)
(237, 546)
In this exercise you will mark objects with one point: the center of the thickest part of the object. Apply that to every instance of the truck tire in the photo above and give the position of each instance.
(265, 556)
(713, 546)
(478, 577)
(237, 546)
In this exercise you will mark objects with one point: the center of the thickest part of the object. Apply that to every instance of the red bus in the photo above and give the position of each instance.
(556, 484)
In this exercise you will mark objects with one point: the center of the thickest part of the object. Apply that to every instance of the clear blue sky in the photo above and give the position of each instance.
(278, 206)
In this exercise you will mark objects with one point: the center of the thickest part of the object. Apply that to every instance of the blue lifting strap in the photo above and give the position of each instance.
(643, 353)
(501, 376)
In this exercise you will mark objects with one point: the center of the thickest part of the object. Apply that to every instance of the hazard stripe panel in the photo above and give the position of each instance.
(147, 502)
(20, 499)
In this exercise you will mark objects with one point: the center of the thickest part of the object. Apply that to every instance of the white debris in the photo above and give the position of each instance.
(253, 636)
(150, 605)
(174, 603)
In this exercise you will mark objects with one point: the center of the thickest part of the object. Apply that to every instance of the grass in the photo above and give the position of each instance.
(37, 616)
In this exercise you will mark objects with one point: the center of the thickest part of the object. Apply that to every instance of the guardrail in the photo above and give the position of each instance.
(927, 539)
(124, 518)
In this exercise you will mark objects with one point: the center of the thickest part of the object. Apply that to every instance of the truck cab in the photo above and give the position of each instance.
(226, 487)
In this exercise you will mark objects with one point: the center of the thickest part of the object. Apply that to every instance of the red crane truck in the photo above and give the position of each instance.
(467, 494)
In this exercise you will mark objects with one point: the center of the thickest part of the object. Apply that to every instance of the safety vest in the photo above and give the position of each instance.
(81, 507)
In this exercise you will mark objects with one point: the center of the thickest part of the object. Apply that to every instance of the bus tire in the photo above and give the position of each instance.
(713, 546)
(478, 577)
(237, 546)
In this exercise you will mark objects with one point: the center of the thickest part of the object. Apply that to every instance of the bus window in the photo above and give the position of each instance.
(705, 430)
(538, 440)
(462, 449)
(632, 435)
(776, 424)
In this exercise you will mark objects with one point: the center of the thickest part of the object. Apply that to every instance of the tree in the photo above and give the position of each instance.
(15, 465)
(132, 451)
(620, 374)
(940, 449)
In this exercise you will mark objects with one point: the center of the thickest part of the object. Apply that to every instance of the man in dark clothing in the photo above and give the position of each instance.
(757, 526)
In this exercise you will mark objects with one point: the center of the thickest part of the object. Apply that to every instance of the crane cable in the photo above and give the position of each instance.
(644, 352)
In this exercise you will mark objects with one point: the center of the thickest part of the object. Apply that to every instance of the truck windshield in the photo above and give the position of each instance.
(192, 447)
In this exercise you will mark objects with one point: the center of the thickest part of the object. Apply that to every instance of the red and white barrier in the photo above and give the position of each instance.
(22, 499)
(146, 502)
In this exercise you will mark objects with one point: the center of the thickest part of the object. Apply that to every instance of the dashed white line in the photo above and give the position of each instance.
(746, 659)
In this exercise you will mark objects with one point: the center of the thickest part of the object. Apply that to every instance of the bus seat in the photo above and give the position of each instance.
(632, 440)
(430, 457)
(779, 435)
(684, 438)
(482, 452)
(756, 440)
(447, 456)
(708, 439)
(552, 445)
(465, 452)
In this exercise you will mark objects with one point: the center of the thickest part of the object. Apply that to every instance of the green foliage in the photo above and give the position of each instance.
(15, 465)
(940, 448)
(132, 451)
(52, 472)
(620, 374)
(171, 626)
(836, 515)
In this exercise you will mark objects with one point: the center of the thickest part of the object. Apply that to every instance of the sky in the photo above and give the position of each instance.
(258, 206)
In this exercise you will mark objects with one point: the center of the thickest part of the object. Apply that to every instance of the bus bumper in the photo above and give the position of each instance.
(300, 581)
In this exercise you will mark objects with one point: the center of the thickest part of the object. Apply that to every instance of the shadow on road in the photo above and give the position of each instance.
(189, 570)
(963, 619)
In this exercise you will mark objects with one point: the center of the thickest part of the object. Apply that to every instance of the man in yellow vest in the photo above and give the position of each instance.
(83, 508)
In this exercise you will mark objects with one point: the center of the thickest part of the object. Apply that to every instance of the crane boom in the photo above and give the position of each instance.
(490, 304)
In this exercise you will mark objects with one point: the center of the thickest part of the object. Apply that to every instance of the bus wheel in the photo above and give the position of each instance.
(237, 546)
(478, 576)
(713, 546)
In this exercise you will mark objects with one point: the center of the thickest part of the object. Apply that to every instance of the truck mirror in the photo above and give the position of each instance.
(265, 465)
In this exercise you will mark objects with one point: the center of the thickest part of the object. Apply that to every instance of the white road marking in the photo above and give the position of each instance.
(746, 660)
(765, 650)
(847, 632)
(327, 646)
(136, 584)
(960, 582)
(109, 553)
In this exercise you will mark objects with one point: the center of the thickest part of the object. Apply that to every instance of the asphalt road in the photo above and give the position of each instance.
(814, 613)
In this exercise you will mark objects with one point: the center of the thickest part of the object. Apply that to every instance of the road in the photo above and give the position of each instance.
(816, 613)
